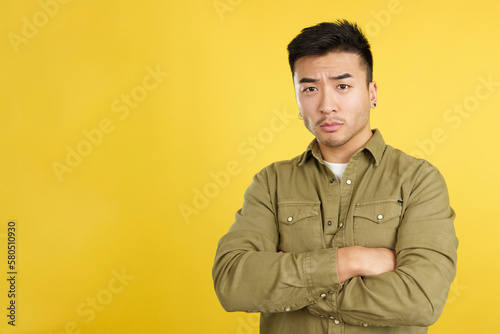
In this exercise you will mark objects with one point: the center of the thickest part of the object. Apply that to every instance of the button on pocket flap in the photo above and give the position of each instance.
(292, 212)
(378, 211)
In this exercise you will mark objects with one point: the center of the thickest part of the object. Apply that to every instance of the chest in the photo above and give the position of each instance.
(316, 212)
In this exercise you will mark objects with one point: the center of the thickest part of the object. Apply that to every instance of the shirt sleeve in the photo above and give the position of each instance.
(416, 292)
(250, 275)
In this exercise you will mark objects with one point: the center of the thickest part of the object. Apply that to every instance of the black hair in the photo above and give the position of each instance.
(338, 36)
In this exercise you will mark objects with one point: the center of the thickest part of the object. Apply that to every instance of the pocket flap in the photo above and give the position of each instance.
(378, 211)
(292, 212)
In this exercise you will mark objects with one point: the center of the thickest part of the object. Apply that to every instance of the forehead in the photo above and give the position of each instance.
(333, 63)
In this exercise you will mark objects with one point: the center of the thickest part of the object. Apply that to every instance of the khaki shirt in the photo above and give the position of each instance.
(386, 199)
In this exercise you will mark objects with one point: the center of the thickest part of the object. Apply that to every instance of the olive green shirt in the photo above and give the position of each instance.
(386, 199)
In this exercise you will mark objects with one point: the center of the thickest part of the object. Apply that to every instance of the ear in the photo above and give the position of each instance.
(372, 89)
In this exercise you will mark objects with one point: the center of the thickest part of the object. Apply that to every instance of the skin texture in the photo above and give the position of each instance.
(363, 261)
(339, 95)
(334, 100)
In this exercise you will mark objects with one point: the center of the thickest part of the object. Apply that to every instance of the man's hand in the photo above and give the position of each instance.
(362, 261)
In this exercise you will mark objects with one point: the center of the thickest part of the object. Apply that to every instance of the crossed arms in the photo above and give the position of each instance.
(407, 286)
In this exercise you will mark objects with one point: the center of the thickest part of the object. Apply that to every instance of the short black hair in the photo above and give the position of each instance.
(338, 36)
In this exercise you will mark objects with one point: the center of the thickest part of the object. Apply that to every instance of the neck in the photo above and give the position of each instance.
(343, 153)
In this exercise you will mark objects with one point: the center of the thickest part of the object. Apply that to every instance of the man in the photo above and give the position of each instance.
(352, 236)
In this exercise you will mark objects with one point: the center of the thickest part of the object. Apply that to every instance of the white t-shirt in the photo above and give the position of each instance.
(337, 169)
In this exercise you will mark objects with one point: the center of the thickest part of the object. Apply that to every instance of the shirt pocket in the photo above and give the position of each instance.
(376, 223)
(300, 227)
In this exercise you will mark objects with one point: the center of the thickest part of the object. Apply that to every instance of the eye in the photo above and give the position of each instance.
(309, 89)
(343, 86)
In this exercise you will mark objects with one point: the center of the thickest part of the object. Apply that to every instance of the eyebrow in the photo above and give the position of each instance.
(337, 77)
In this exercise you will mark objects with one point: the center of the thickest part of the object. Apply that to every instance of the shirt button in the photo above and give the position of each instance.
(329, 223)
(287, 309)
(366, 325)
(341, 224)
(331, 317)
(323, 295)
(332, 180)
(290, 219)
(379, 217)
(337, 322)
(348, 181)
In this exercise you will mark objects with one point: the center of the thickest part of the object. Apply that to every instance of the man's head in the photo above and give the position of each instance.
(339, 36)
(331, 65)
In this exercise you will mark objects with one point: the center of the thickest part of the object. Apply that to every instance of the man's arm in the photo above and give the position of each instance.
(355, 261)
(416, 291)
(250, 275)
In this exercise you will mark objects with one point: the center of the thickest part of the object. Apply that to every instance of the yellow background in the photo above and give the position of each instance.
(120, 209)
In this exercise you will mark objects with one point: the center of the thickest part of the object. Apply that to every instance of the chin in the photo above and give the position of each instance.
(333, 142)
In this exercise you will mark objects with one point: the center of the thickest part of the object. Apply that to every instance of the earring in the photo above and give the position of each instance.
(299, 116)
(374, 104)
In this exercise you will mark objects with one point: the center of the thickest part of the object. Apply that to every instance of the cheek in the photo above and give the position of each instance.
(309, 123)
(307, 104)
(357, 103)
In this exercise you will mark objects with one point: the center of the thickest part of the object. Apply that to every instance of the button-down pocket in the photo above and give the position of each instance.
(376, 223)
(299, 226)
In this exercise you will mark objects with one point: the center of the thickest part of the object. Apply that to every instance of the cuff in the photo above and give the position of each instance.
(320, 267)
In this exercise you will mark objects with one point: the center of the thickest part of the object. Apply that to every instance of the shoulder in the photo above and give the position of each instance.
(412, 168)
(285, 166)
(401, 158)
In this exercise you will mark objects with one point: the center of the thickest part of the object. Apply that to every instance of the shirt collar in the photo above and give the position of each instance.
(375, 146)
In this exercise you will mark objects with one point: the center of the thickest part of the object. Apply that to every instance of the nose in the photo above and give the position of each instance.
(328, 101)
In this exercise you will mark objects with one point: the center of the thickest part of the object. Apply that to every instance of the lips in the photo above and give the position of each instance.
(331, 126)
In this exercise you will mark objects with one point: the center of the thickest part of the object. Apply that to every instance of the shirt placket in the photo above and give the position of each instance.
(331, 208)
(346, 189)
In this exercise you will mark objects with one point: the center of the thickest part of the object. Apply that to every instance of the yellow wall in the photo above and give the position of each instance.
(117, 116)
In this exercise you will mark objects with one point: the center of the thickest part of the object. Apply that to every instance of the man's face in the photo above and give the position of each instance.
(334, 98)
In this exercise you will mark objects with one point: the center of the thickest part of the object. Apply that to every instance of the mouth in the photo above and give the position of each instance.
(331, 126)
